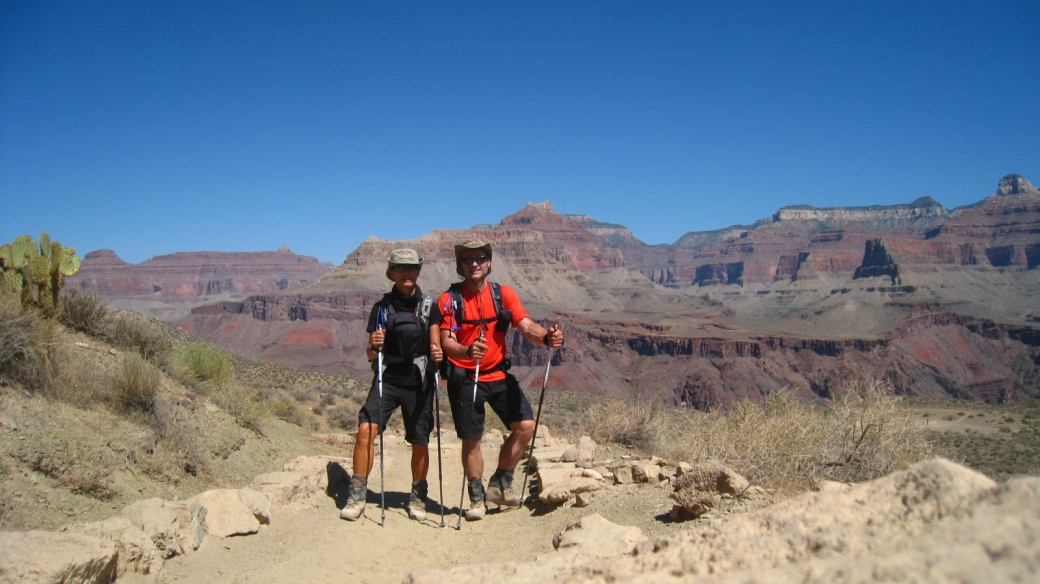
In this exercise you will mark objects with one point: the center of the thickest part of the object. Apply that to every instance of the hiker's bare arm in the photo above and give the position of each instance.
(375, 343)
(452, 348)
(435, 343)
(537, 335)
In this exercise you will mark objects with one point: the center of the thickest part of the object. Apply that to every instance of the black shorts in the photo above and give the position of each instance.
(505, 397)
(416, 408)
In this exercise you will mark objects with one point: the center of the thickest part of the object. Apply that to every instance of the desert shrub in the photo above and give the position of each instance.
(136, 384)
(27, 344)
(788, 445)
(244, 404)
(202, 362)
(81, 379)
(635, 424)
(178, 449)
(343, 417)
(134, 332)
(83, 311)
(289, 411)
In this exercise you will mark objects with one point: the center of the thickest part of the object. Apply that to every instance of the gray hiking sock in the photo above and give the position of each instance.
(502, 479)
(358, 481)
(476, 490)
(420, 489)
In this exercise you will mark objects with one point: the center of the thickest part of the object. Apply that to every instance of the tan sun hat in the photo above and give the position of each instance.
(465, 246)
(403, 257)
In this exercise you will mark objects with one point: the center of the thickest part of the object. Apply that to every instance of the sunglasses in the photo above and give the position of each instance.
(475, 260)
(405, 268)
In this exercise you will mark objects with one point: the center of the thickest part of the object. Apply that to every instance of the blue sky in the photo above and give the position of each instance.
(155, 127)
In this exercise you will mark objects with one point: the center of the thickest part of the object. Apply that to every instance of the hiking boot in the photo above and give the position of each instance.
(416, 508)
(355, 506)
(476, 511)
(476, 496)
(502, 497)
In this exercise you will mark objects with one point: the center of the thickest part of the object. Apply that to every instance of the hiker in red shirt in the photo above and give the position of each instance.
(474, 317)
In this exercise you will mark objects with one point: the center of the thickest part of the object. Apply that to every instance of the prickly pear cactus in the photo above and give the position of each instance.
(22, 247)
(11, 282)
(36, 272)
(69, 264)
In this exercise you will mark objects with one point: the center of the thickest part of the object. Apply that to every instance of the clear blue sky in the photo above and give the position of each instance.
(154, 127)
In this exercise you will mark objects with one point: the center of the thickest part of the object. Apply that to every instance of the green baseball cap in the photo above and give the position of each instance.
(403, 257)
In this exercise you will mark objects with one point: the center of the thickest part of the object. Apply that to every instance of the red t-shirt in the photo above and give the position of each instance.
(478, 306)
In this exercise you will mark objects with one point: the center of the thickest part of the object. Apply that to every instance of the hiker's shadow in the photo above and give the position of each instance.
(339, 490)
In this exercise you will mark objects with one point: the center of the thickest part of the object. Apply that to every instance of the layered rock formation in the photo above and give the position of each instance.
(167, 286)
(940, 303)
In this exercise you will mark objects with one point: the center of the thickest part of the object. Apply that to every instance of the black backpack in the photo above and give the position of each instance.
(407, 333)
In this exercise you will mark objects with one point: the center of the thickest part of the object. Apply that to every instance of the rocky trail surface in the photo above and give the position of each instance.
(936, 522)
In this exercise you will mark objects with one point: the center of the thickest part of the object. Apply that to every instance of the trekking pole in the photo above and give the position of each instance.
(440, 465)
(465, 447)
(379, 382)
(537, 419)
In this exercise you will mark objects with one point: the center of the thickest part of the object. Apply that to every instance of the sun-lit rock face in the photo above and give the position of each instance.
(190, 275)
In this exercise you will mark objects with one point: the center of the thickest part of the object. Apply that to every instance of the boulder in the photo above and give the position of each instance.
(712, 476)
(45, 556)
(135, 550)
(191, 522)
(545, 455)
(582, 499)
(313, 471)
(226, 514)
(258, 503)
(645, 472)
(158, 522)
(544, 439)
(623, 475)
(563, 490)
(595, 537)
(586, 449)
(696, 503)
(281, 488)
(570, 455)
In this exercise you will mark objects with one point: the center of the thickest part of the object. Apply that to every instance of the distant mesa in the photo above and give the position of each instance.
(1014, 184)
(167, 286)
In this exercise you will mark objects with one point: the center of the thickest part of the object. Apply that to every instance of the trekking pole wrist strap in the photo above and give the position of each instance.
(545, 339)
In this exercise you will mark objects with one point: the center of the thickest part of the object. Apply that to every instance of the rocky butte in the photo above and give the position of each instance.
(940, 302)
(168, 286)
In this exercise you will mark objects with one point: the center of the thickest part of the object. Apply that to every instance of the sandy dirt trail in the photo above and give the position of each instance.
(308, 542)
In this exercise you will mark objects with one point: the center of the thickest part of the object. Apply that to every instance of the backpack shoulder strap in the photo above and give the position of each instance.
(496, 294)
(455, 291)
(424, 309)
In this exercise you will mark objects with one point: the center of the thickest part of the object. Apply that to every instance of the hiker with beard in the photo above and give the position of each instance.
(474, 316)
(399, 327)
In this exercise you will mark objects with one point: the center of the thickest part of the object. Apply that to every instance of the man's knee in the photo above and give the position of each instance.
(367, 431)
(523, 429)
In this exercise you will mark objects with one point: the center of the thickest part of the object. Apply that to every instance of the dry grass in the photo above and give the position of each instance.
(782, 444)
(137, 384)
(82, 468)
(130, 331)
(27, 344)
(83, 311)
(245, 404)
(202, 362)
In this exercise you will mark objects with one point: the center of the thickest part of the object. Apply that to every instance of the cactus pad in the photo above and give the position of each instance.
(11, 281)
(5, 256)
(39, 269)
(45, 244)
(69, 262)
(22, 246)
